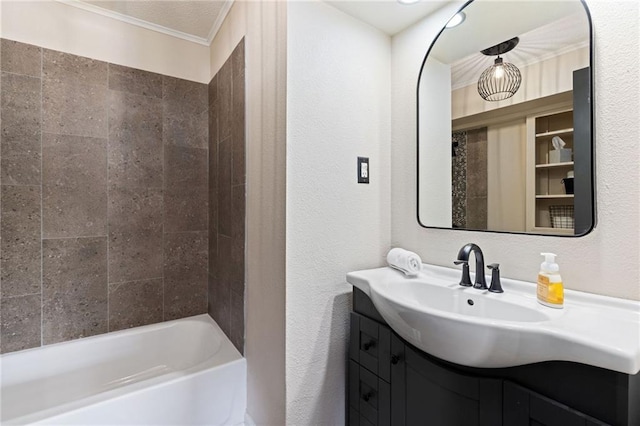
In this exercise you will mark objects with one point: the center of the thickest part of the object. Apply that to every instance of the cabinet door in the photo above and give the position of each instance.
(523, 407)
(426, 393)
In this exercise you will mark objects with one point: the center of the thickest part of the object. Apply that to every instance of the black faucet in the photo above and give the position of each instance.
(463, 258)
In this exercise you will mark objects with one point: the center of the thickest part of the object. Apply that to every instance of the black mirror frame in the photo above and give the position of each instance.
(587, 157)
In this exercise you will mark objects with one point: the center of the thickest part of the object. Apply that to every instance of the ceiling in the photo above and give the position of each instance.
(388, 16)
(199, 20)
(196, 21)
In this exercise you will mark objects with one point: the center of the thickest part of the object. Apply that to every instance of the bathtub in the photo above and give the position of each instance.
(183, 372)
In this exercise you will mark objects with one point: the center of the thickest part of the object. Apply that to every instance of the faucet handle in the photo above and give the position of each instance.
(466, 278)
(495, 287)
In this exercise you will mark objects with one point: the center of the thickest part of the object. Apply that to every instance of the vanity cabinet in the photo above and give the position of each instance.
(390, 382)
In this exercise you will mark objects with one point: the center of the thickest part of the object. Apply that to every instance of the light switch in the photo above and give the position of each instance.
(363, 169)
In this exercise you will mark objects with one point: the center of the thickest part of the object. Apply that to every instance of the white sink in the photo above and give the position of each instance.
(491, 330)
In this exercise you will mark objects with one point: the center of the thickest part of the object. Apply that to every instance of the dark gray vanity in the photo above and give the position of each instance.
(390, 382)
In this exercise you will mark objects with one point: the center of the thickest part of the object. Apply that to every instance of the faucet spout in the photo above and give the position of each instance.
(463, 255)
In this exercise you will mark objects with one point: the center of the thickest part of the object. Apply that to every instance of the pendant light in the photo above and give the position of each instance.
(501, 80)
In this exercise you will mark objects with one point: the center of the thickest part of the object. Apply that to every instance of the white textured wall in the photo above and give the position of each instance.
(337, 109)
(68, 29)
(435, 132)
(607, 261)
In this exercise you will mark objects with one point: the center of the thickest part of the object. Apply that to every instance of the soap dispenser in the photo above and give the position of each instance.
(550, 290)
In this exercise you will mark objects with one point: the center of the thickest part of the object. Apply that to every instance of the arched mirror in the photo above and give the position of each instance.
(505, 120)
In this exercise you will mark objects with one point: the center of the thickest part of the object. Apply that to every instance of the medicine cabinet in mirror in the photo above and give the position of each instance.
(505, 120)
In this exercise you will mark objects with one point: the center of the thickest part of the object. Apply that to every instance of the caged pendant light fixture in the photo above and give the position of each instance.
(501, 80)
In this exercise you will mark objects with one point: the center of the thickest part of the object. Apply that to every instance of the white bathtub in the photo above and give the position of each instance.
(183, 372)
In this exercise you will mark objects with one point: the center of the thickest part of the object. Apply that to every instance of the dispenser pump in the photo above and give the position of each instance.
(549, 265)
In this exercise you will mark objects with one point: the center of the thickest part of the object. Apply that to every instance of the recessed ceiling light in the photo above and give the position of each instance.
(408, 1)
(457, 19)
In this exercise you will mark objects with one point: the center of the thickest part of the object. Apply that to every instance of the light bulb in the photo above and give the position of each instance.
(499, 73)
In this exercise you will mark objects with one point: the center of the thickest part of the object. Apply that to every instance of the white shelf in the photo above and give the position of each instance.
(553, 165)
(554, 133)
(561, 231)
(554, 196)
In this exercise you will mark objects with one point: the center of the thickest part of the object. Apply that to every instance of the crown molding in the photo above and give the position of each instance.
(151, 26)
(226, 7)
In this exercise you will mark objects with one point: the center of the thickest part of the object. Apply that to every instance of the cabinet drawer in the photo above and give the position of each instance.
(369, 397)
(370, 345)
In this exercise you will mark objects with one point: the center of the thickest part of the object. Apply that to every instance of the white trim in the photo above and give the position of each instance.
(226, 7)
(151, 26)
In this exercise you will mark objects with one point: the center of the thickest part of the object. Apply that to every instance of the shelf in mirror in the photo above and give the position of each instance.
(558, 231)
(552, 196)
(554, 165)
(560, 132)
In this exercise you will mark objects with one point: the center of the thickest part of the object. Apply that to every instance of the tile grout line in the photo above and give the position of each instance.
(41, 201)
(107, 183)
(1, 298)
(164, 194)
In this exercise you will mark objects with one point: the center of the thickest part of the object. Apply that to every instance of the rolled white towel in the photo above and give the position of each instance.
(404, 260)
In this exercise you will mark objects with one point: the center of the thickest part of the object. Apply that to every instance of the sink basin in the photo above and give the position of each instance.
(493, 330)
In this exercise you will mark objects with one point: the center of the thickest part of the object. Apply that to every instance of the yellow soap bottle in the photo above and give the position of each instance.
(550, 289)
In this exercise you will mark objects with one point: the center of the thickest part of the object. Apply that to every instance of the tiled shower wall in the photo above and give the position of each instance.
(103, 201)
(469, 179)
(227, 195)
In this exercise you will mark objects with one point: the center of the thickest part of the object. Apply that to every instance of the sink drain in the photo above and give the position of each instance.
(470, 302)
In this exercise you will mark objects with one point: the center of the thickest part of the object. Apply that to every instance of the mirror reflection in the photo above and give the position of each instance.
(504, 120)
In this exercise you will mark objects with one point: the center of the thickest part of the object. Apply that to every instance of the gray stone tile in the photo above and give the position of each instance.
(213, 90)
(135, 140)
(225, 263)
(21, 163)
(74, 186)
(224, 200)
(213, 125)
(186, 209)
(236, 254)
(182, 128)
(213, 253)
(185, 167)
(20, 111)
(20, 58)
(184, 96)
(477, 170)
(238, 132)
(185, 274)
(237, 58)
(60, 66)
(225, 100)
(186, 193)
(132, 304)
(477, 212)
(71, 108)
(213, 187)
(131, 80)
(20, 322)
(20, 245)
(236, 333)
(219, 306)
(135, 234)
(74, 288)
(185, 113)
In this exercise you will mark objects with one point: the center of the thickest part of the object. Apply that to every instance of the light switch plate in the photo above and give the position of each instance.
(363, 170)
